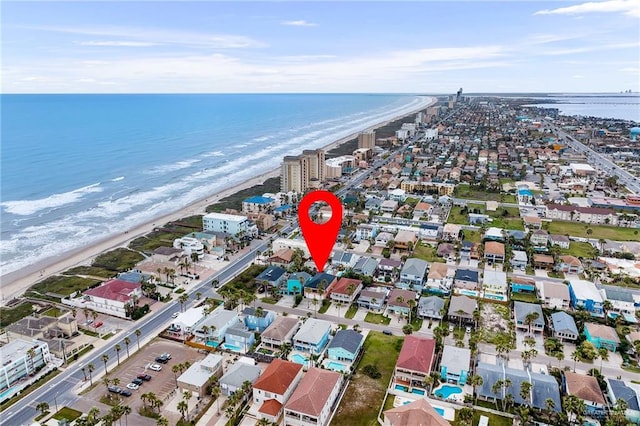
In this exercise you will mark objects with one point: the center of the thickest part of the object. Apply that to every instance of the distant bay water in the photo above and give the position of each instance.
(78, 168)
(624, 106)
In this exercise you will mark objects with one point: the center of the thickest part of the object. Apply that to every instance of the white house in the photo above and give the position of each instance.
(17, 362)
(189, 245)
(200, 375)
(111, 297)
(227, 223)
(213, 327)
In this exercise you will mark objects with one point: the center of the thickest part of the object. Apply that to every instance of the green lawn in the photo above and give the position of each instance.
(510, 198)
(598, 232)
(456, 216)
(578, 249)
(377, 319)
(523, 297)
(494, 419)
(473, 236)
(67, 413)
(351, 312)
(325, 306)
(465, 191)
(11, 315)
(506, 223)
(427, 253)
(63, 285)
(53, 312)
(364, 396)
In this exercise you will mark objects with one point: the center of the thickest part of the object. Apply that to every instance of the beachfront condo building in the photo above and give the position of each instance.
(367, 140)
(20, 358)
(302, 172)
(227, 223)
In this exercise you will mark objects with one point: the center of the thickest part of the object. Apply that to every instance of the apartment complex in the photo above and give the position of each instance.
(367, 139)
(20, 358)
(302, 172)
(227, 223)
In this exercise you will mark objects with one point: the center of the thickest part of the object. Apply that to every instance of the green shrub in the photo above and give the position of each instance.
(371, 371)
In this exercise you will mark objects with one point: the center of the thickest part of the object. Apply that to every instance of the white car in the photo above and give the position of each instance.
(175, 315)
(155, 367)
(133, 386)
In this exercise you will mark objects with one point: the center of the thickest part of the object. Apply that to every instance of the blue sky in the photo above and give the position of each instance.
(362, 46)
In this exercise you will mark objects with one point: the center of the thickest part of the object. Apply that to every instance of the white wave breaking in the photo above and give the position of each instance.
(29, 207)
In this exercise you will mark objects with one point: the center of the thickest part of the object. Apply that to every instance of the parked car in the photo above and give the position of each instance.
(144, 377)
(175, 314)
(387, 332)
(125, 392)
(133, 386)
(162, 359)
(114, 389)
(166, 355)
(98, 324)
(155, 367)
(137, 381)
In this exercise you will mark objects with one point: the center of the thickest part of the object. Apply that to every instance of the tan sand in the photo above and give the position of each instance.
(14, 284)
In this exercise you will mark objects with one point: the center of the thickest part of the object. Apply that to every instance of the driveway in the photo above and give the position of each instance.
(541, 273)
(520, 346)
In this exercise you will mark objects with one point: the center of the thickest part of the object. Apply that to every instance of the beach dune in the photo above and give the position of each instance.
(14, 284)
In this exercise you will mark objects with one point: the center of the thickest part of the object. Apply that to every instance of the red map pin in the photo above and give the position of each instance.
(320, 238)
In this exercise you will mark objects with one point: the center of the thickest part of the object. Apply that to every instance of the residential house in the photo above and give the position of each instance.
(383, 238)
(494, 285)
(197, 378)
(454, 364)
(519, 260)
(539, 239)
(257, 319)
(366, 266)
(628, 392)
(431, 307)
(282, 258)
(418, 412)
(43, 327)
(237, 375)
(213, 328)
(451, 232)
(622, 301)
(585, 294)
(345, 345)
(564, 327)
(494, 252)
(314, 399)
(494, 234)
(366, 232)
(320, 285)
(187, 321)
(446, 251)
(587, 389)
(561, 241)
(521, 284)
(469, 250)
(602, 336)
(422, 209)
(388, 268)
(554, 295)
(465, 281)
(532, 222)
(430, 231)
(439, 278)
(389, 206)
(398, 302)
(111, 298)
(274, 387)
(591, 215)
(405, 240)
(238, 338)
(544, 386)
(312, 336)
(569, 265)
(346, 290)
(461, 309)
(273, 276)
(414, 364)
(295, 283)
(344, 258)
(543, 261)
(281, 331)
(373, 298)
(258, 204)
(528, 317)
(412, 274)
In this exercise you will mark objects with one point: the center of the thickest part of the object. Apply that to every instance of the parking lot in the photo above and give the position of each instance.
(162, 383)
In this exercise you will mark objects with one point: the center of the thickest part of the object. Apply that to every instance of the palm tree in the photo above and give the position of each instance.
(106, 381)
(31, 353)
(90, 369)
(118, 348)
(559, 356)
(86, 312)
(105, 358)
(603, 353)
(138, 333)
(530, 319)
(525, 392)
(549, 408)
(475, 380)
(43, 407)
(162, 421)
(460, 313)
(575, 356)
(465, 415)
(285, 350)
(126, 410)
(263, 422)
(175, 369)
(126, 342)
(215, 393)
(575, 408)
(412, 304)
(183, 299)
(182, 408)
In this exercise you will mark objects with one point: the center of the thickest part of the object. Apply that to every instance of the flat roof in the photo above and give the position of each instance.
(585, 290)
(224, 216)
(16, 349)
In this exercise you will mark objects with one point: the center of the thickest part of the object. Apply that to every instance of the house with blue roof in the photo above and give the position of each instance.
(344, 258)
(564, 327)
(274, 276)
(258, 204)
(345, 345)
(413, 274)
(283, 210)
(295, 283)
(366, 266)
(257, 319)
(627, 392)
(238, 339)
(321, 278)
(521, 312)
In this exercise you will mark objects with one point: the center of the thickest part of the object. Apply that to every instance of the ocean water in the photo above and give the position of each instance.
(78, 168)
(620, 106)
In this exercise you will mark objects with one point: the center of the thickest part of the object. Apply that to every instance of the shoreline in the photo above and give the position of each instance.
(15, 283)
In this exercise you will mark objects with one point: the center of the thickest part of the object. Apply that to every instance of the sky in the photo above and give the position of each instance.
(326, 46)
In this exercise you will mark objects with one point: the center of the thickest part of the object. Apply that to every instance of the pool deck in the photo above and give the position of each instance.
(449, 411)
(457, 397)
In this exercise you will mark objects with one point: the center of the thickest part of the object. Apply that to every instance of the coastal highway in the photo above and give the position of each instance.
(624, 177)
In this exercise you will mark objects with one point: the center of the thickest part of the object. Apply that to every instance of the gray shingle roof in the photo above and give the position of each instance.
(348, 340)
(416, 267)
(522, 309)
(562, 321)
(621, 391)
(239, 373)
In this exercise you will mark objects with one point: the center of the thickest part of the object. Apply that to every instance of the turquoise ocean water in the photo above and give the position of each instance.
(78, 168)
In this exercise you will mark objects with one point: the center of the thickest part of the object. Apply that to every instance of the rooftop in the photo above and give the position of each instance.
(117, 290)
(278, 376)
(584, 387)
(313, 330)
(313, 391)
(280, 327)
(348, 340)
(418, 413)
(417, 354)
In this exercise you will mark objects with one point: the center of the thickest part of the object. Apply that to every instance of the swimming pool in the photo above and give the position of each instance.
(7, 393)
(297, 358)
(231, 347)
(402, 388)
(212, 343)
(336, 366)
(439, 410)
(447, 390)
(418, 391)
(468, 293)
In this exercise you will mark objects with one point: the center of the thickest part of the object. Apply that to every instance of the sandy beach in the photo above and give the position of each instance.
(14, 284)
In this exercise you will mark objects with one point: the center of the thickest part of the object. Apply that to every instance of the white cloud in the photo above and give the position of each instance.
(300, 23)
(113, 43)
(627, 7)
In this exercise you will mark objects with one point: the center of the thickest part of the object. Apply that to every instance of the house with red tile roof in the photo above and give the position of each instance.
(274, 387)
(313, 400)
(111, 297)
(418, 412)
(346, 290)
(414, 363)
